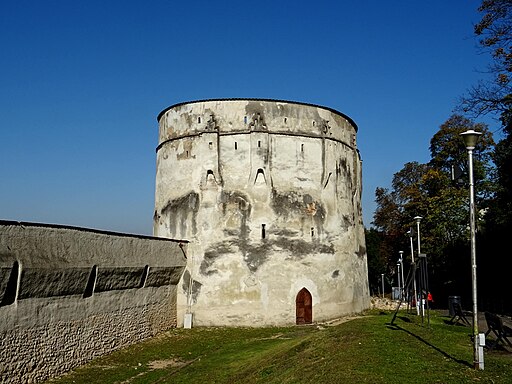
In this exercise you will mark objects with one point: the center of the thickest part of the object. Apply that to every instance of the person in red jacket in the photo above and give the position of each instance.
(430, 300)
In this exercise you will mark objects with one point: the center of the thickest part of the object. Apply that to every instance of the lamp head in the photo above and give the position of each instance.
(470, 138)
(418, 218)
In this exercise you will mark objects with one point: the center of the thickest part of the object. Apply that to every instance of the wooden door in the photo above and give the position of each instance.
(304, 307)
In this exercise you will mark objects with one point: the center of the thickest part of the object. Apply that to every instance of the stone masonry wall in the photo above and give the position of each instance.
(34, 354)
(68, 295)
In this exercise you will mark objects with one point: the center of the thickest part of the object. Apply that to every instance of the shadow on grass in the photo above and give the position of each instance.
(448, 322)
(395, 327)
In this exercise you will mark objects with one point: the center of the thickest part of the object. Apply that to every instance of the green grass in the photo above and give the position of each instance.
(363, 350)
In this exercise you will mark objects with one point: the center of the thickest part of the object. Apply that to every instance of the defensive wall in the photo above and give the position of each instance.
(268, 193)
(70, 294)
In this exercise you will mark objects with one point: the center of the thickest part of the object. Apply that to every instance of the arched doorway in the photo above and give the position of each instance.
(304, 307)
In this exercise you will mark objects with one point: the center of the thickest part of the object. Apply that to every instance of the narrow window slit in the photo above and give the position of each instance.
(91, 282)
(236, 145)
(312, 232)
(144, 276)
(11, 288)
(262, 231)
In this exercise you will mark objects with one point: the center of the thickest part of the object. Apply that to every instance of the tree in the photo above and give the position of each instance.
(428, 190)
(447, 152)
(379, 257)
(494, 96)
(495, 33)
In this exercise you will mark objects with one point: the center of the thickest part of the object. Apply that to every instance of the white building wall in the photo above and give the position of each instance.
(268, 194)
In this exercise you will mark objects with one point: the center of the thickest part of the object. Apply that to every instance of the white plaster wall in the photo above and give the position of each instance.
(308, 198)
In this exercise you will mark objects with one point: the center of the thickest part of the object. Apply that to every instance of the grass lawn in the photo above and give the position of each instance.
(363, 350)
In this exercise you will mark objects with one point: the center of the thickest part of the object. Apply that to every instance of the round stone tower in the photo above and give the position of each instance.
(268, 193)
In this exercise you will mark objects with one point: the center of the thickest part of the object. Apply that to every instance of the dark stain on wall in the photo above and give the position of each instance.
(214, 252)
(191, 287)
(278, 109)
(300, 248)
(177, 212)
(346, 222)
(291, 203)
(209, 258)
(285, 204)
(344, 173)
(188, 145)
(238, 202)
(361, 252)
(284, 232)
(255, 255)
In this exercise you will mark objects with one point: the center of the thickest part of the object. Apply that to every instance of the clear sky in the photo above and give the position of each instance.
(82, 82)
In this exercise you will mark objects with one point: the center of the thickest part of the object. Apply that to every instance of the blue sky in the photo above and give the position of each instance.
(81, 84)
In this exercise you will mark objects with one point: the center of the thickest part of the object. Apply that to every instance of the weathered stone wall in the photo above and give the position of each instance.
(269, 195)
(68, 295)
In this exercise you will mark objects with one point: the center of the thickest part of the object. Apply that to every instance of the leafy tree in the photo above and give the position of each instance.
(499, 213)
(448, 152)
(494, 96)
(379, 256)
(428, 190)
(495, 33)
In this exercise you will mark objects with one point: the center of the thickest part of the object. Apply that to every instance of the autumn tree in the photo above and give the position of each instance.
(494, 96)
(428, 190)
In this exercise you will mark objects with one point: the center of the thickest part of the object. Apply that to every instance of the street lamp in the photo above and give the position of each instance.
(382, 280)
(414, 273)
(401, 260)
(398, 279)
(418, 219)
(470, 138)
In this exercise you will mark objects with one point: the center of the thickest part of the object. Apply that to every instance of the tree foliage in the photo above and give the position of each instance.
(495, 33)
(495, 97)
(427, 190)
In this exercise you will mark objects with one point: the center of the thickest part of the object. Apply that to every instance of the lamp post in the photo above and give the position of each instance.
(470, 138)
(382, 280)
(401, 260)
(398, 279)
(418, 219)
(414, 273)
